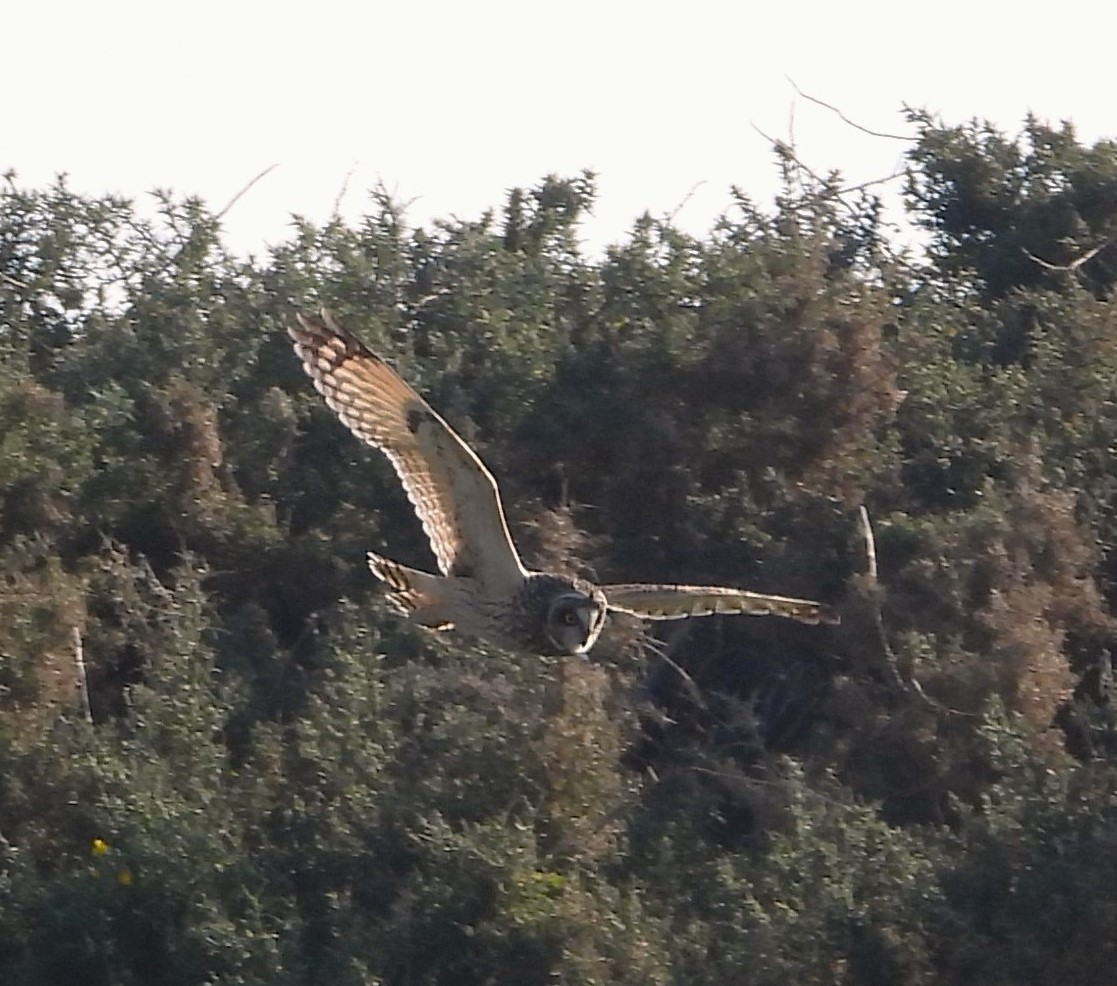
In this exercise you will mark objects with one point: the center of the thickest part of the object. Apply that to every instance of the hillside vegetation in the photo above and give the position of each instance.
(223, 759)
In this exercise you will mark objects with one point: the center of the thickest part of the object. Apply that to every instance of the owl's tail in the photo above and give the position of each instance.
(414, 593)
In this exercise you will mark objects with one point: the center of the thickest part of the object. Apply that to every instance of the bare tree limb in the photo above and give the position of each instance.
(236, 198)
(837, 193)
(870, 540)
(843, 117)
(908, 683)
(83, 684)
(342, 192)
(663, 651)
(870, 543)
(872, 181)
(789, 149)
(1073, 265)
(686, 198)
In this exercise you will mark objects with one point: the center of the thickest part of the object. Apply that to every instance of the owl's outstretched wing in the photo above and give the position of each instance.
(673, 602)
(453, 493)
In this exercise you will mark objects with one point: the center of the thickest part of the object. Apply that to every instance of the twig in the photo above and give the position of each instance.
(686, 198)
(663, 651)
(236, 198)
(144, 233)
(13, 282)
(837, 193)
(843, 117)
(789, 150)
(871, 182)
(83, 684)
(342, 192)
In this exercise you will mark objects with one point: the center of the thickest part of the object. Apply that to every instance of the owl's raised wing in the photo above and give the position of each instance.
(673, 602)
(453, 493)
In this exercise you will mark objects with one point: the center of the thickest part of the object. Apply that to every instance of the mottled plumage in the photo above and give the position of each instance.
(484, 589)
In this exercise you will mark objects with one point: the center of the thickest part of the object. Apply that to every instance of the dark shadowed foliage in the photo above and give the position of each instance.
(222, 760)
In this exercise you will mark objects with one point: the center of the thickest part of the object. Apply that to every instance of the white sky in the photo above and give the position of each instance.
(452, 103)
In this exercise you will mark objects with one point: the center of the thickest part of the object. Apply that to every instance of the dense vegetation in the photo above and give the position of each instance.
(268, 778)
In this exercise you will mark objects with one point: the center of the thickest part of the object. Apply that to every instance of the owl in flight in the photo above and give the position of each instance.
(483, 589)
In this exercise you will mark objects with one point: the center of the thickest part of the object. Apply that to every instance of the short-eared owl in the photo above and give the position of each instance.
(484, 589)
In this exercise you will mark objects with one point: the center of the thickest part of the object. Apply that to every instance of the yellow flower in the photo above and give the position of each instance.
(99, 847)
(124, 878)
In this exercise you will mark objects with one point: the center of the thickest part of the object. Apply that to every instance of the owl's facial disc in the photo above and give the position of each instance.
(574, 621)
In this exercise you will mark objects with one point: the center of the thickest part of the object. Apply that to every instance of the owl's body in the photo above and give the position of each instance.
(519, 622)
(483, 589)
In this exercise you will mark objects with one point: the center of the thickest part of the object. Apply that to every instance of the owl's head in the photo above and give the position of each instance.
(574, 620)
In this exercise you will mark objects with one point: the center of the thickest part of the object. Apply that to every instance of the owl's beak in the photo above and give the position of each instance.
(591, 617)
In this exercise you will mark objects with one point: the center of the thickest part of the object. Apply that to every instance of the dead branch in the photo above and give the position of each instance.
(342, 192)
(870, 543)
(789, 149)
(907, 683)
(83, 684)
(686, 198)
(837, 193)
(843, 117)
(664, 650)
(236, 198)
(861, 186)
(1073, 265)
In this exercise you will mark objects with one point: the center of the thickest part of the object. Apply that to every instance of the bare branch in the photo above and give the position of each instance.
(789, 149)
(140, 228)
(236, 198)
(83, 684)
(1073, 265)
(784, 147)
(686, 198)
(663, 652)
(844, 118)
(861, 186)
(878, 617)
(909, 683)
(13, 282)
(341, 193)
(870, 542)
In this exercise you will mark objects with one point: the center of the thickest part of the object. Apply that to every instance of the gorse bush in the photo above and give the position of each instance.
(223, 760)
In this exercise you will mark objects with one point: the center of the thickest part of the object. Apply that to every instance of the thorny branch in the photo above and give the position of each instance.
(789, 149)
